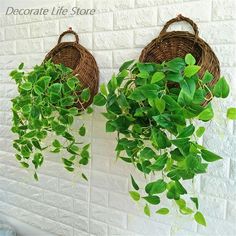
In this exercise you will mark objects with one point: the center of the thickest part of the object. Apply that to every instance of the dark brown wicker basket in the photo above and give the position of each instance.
(78, 58)
(169, 45)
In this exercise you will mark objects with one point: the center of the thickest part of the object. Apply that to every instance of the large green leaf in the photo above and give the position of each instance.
(221, 89)
(209, 156)
(199, 218)
(156, 187)
(99, 100)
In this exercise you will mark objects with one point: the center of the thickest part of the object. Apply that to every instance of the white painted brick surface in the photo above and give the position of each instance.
(65, 205)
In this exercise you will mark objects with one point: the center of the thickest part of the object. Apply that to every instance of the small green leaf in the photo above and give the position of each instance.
(103, 89)
(207, 78)
(134, 195)
(85, 95)
(186, 132)
(221, 89)
(157, 76)
(56, 143)
(231, 113)
(195, 201)
(209, 156)
(199, 218)
(191, 70)
(160, 104)
(200, 131)
(82, 130)
(147, 210)
(134, 184)
(99, 100)
(189, 59)
(154, 200)
(26, 86)
(20, 67)
(84, 177)
(206, 115)
(163, 211)
(24, 164)
(36, 176)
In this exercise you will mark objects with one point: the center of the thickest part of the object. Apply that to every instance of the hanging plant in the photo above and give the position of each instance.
(47, 104)
(152, 107)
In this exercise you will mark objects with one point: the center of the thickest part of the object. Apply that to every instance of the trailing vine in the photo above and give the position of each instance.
(152, 108)
(47, 104)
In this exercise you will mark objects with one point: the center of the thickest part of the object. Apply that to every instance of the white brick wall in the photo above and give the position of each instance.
(65, 205)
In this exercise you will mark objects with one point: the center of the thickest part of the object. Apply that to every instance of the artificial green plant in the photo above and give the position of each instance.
(152, 108)
(47, 105)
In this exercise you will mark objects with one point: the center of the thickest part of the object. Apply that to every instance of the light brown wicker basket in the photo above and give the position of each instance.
(169, 45)
(78, 58)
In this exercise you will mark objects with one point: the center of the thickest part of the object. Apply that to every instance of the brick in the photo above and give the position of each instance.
(222, 188)
(225, 54)
(7, 47)
(107, 5)
(218, 228)
(223, 9)
(103, 58)
(58, 200)
(188, 9)
(17, 32)
(80, 208)
(218, 32)
(78, 24)
(233, 169)
(135, 18)
(121, 56)
(231, 211)
(2, 34)
(84, 3)
(149, 3)
(42, 29)
(147, 227)
(103, 22)
(29, 46)
(99, 196)
(144, 36)
(113, 40)
(7, 20)
(113, 217)
(113, 183)
(23, 19)
(98, 228)
(212, 206)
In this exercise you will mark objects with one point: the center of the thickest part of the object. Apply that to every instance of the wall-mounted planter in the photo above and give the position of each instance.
(80, 60)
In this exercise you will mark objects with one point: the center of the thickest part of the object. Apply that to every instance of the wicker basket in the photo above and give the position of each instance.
(78, 58)
(169, 45)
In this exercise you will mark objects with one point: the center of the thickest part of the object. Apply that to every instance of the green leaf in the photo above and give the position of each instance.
(188, 88)
(145, 91)
(186, 132)
(191, 70)
(85, 95)
(84, 176)
(207, 78)
(147, 153)
(99, 100)
(209, 156)
(103, 89)
(36, 176)
(26, 86)
(174, 77)
(160, 104)
(199, 218)
(189, 59)
(147, 210)
(67, 162)
(231, 113)
(20, 67)
(163, 211)
(56, 143)
(82, 130)
(134, 184)
(206, 115)
(195, 201)
(126, 65)
(156, 187)
(200, 131)
(154, 200)
(24, 164)
(157, 76)
(176, 64)
(134, 195)
(71, 82)
(221, 89)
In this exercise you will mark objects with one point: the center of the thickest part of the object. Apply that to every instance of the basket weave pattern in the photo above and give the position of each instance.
(169, 45)
(80, 60)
